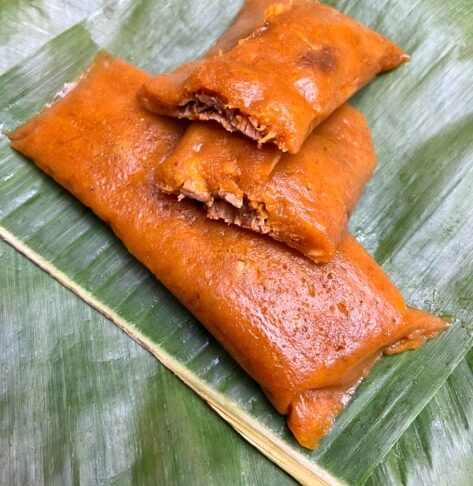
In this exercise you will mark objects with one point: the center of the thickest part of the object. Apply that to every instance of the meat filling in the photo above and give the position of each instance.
(229, 207)
(205, 107)
(251, 215)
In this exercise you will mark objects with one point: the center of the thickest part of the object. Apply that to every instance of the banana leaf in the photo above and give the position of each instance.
(25, 25)
(82, 356)
(80, 402)
(415, 218)
(438, 447)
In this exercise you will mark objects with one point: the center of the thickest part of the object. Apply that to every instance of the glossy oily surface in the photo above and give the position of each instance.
(303, 200)
(210, 163)
(415, 217)
(251, 14)
(269, 307)
(326, 57)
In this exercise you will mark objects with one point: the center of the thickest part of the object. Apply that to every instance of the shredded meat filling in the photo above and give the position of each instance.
(205, 107)
(251, 215)
(229, 207)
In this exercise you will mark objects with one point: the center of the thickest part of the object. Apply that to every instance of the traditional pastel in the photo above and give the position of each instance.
(306, 333)
(281, 81)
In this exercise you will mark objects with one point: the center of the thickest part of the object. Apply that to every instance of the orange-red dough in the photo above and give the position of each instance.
(306, 333)
(286, 77)
(303, 200)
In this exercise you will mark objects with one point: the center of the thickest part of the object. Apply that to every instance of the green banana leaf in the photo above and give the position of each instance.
(100, 399)
(415, 217)
(26, 25)
(80, 402)
(438, 447)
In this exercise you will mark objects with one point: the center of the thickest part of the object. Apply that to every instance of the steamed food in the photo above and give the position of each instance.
(307, 333)
(281, 81)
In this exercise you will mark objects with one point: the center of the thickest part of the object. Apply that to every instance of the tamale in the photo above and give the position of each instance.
(303, 200)
(306, 333)
(277, 84)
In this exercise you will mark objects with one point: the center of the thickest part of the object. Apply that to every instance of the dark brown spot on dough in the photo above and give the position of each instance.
(323, 59)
